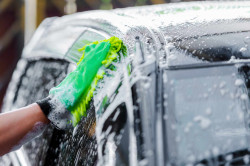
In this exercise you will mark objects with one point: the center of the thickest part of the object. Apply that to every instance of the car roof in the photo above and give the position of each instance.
(166, 23)
(168, 17)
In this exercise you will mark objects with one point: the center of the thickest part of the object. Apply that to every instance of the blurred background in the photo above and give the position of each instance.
(20, 18)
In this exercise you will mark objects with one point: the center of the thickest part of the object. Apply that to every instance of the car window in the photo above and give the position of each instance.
(72, 147)
(56, 41)
(214, 47)
(206, 114)
(86, 37)
(78, 146)
(35, 82)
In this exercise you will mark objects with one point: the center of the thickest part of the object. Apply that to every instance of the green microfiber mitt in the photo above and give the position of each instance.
(76, 90)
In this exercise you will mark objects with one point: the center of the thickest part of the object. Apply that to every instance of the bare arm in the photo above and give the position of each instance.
(15, 125)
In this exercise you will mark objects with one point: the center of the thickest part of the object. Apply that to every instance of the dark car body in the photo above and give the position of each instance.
(179, 98)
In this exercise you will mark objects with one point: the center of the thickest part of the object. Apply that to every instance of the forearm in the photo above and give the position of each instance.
(15, 125)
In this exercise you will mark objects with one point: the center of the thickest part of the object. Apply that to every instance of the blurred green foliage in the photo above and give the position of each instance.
(83, 5)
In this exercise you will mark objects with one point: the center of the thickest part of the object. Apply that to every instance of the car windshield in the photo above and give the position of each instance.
(206, 111)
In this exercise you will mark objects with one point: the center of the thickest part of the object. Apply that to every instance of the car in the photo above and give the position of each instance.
(180, 97)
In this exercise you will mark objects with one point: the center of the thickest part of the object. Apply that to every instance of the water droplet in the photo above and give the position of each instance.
(215, 151)
(246, 159)
(239, 82)
(247, 40)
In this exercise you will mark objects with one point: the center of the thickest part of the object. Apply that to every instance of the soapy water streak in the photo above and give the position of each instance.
(38, 128)
(124, 96)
